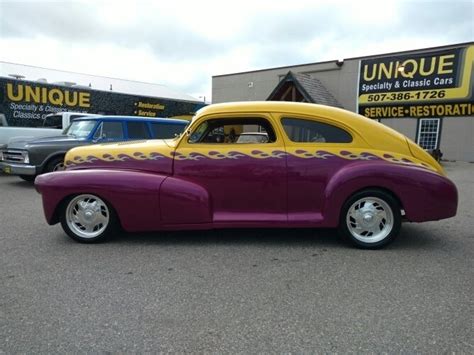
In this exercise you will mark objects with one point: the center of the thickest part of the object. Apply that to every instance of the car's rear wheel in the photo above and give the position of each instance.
(370, 219)
(87, 218)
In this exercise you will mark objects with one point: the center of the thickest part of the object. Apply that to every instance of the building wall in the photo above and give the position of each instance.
(457, 138)
(406, 126)
(340, 81)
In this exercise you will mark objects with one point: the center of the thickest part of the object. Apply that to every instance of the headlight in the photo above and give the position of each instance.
(26, 158)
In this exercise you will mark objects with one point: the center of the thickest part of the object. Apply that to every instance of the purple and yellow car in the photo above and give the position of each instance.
(319, 167)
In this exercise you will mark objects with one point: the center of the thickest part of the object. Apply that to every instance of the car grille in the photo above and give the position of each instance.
(13, 156)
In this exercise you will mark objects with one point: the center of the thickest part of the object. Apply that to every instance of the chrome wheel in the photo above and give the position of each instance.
(87, 216)
(370, 219)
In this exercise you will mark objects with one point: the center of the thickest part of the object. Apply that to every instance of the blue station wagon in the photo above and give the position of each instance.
(30, 158)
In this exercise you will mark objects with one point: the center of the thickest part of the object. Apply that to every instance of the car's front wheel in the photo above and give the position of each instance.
(55, 164)
(87, 218)
(370, 219)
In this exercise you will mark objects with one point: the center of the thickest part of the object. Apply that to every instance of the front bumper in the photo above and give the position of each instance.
(17, 169)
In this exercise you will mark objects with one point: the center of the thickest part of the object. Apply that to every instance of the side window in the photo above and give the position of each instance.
(109, 131)
(137, 130)
(234, 131)
(300, 130)
(166, 130)
(54, 121)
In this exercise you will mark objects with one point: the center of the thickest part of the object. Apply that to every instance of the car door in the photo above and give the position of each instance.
(313, 148)
(246, 182)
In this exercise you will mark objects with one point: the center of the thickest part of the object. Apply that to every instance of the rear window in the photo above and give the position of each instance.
(308, 131)
(166, 130)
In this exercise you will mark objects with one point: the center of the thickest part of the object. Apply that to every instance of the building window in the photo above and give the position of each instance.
(428, 133)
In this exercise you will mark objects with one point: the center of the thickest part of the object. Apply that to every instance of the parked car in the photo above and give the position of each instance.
(362, 177)
(29, 158)
(52, 124)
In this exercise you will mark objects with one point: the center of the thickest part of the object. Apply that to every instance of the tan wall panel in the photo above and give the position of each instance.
(457, 138)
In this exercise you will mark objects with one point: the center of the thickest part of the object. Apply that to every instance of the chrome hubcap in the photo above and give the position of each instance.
(370, 219)
(87, 216)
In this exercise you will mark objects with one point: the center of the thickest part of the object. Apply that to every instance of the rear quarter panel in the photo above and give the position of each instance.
(423, 194)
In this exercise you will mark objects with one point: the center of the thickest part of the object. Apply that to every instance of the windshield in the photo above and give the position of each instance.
(80, 129)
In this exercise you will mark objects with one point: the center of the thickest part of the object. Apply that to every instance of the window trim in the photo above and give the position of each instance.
(318, 120)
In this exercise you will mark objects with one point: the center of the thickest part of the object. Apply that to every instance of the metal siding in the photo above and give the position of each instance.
(457, 138)
(406, 126)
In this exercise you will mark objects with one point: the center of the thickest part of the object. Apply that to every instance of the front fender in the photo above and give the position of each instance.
(133, 195)
(423, 194)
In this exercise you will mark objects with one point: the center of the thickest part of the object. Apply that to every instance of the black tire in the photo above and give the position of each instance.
(54, 164)
(72, 230)
(29, 178)
(373, 224)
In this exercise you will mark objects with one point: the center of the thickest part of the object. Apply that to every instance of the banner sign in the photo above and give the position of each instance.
(26, 103)
(430, 84)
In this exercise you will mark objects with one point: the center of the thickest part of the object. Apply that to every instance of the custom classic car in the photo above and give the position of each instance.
(320, 167)
(28, 158)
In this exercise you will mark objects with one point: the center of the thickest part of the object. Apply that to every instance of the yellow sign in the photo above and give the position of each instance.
(423, 85)
(45, 95)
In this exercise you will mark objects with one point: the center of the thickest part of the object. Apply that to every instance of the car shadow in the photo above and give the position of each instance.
(412, 236)
(300, 237)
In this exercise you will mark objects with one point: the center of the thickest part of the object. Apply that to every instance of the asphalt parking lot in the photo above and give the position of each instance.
(235, 291)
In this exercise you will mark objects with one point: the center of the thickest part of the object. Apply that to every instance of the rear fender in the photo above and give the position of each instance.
(423, 194)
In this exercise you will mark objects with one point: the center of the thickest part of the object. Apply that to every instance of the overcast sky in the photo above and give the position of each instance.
(183, 43)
